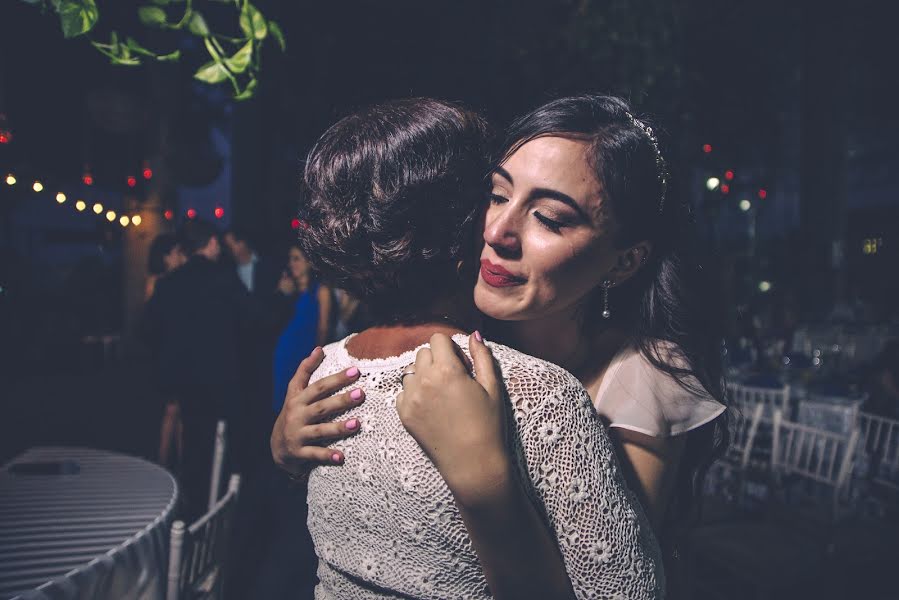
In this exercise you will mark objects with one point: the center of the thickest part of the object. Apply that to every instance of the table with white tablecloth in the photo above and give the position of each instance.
(78, 523)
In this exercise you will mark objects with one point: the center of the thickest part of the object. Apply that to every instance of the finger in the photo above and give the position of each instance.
(304, 372)
(486, 370)
(325, 410)
(328, 386)
(327, 432)
(321, 456)
(447, 353)
(424, 358)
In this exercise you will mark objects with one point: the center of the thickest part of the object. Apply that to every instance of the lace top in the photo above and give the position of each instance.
(385, 524)
(635, 395)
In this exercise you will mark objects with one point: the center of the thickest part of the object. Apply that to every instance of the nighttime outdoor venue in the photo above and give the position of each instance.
(529, 299)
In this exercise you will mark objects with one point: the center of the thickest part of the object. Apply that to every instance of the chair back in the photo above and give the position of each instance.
(880, 442)
(746, 397)
(743, 437)
(814, 455)
(218, 461)
(197, 553)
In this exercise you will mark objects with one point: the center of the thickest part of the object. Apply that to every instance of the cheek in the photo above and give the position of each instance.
(563, 270)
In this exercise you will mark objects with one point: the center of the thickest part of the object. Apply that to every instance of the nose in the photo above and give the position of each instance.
(501, 230)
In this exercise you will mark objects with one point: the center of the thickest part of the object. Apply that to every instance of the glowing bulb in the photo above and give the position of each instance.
(135, 220)
(38, 186)
(98, 208)
(745, 205)
(148, 173)
(10, 179)
(219, 212)
(711, 183)
(764, 286)
(110, 216)
(80, 205)
(124, 220)
(87, 179)
(729, 175)
(132, 181)
(60, 197)
(706, 148)
(191, 213)
(169, 215)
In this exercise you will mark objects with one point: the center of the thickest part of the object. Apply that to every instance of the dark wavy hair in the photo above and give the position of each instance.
(390, 199)
(671, 302)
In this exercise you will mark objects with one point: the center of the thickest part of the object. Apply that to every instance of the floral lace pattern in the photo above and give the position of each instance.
(385, 524)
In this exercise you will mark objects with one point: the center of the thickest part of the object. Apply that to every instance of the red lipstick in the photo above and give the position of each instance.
(497, 276)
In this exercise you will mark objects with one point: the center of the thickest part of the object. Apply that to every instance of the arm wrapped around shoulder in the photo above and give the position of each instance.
(606, 540)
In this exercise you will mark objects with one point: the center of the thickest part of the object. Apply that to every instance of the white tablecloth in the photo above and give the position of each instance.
(98, 531)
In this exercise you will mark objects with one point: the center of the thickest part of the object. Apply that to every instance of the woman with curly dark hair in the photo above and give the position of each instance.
(391, 199)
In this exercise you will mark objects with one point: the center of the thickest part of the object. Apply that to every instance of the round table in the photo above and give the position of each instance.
(83, 523)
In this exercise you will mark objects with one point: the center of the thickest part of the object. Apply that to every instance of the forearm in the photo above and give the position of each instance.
(514, 545)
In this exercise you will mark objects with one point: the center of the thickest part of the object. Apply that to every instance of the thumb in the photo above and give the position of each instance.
(486, 370)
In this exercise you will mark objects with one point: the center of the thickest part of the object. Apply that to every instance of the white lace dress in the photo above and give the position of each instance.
(385, 525)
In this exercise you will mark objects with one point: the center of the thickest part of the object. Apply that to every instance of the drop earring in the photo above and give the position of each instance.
(606, 313)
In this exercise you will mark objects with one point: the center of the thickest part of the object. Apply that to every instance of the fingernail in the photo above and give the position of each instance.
(352, 424)
(356, 394)
(352, 372)
(477, 336)
(335, 457)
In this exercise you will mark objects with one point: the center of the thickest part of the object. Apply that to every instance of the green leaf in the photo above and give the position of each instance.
(197, 25)
(212, 72)
(170, 57)
(248, 92)
(132, 45)
(77, 18)
(252, 22)
(151, 15)
(276, 32)
(241, 59)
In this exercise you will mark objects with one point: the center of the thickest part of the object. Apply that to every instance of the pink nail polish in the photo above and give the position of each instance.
(477, 336)
(352, 424)
(335, 457)
(352, 372)
(356, 394)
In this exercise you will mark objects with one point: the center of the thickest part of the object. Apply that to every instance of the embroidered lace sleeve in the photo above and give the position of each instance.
(606, 541)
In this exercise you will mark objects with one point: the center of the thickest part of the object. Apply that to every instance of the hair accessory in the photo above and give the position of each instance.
(660, 162)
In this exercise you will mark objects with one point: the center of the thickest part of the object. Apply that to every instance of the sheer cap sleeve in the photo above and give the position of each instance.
(635, 395)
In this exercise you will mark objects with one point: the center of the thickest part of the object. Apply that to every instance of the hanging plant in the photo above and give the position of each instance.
(235, 59)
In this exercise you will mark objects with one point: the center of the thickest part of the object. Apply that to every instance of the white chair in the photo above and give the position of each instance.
(218, 461)
(198, 553)
(880, 443)
(746, 397)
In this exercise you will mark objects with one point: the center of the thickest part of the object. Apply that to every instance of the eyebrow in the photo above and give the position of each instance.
(546, 193)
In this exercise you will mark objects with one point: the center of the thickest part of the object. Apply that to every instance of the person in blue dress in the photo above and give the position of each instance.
(309, 325)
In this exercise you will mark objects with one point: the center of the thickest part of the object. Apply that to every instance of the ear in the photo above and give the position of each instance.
(629, 261)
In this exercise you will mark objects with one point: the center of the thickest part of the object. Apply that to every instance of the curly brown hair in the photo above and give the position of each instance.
(390, 196)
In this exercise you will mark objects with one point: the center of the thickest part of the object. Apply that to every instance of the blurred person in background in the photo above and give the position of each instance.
(256, 273)
(166, 255)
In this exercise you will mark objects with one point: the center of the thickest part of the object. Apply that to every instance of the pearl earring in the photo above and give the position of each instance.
(606, 313)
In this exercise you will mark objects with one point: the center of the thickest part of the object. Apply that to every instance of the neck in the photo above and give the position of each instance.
(563, 339)
(456, 314)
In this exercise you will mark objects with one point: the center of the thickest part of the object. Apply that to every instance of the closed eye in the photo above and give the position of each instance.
(554, 226)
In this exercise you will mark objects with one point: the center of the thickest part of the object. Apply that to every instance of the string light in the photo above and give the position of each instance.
(711, 183)
(10, 179)
(707, 148)
(87, 179)
(132, 181)
(38, 186)
(219, 212)
(745, 205)
(763, 194)
(136, 220)
(725, 189)
(110, 216)
(191, 213)
(168, 214)
(729, 175)
(80, 205)
(60, 197)
(123, 221)
(148, 173)
(5, 137)
(98, 208)
(295, 224)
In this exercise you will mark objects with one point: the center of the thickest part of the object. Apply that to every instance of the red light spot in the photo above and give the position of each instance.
(706, 148)
(169, 215)
(219, 212)
(148, 173)
(87, 179)
(763, 194)
(295, 224)
(132, 181)
(725, 189)
(191, 213)
(5, 138)
(729, 175)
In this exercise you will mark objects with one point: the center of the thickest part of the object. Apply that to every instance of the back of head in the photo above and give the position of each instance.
(195, 234)
(162, 244)
(390, 199)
